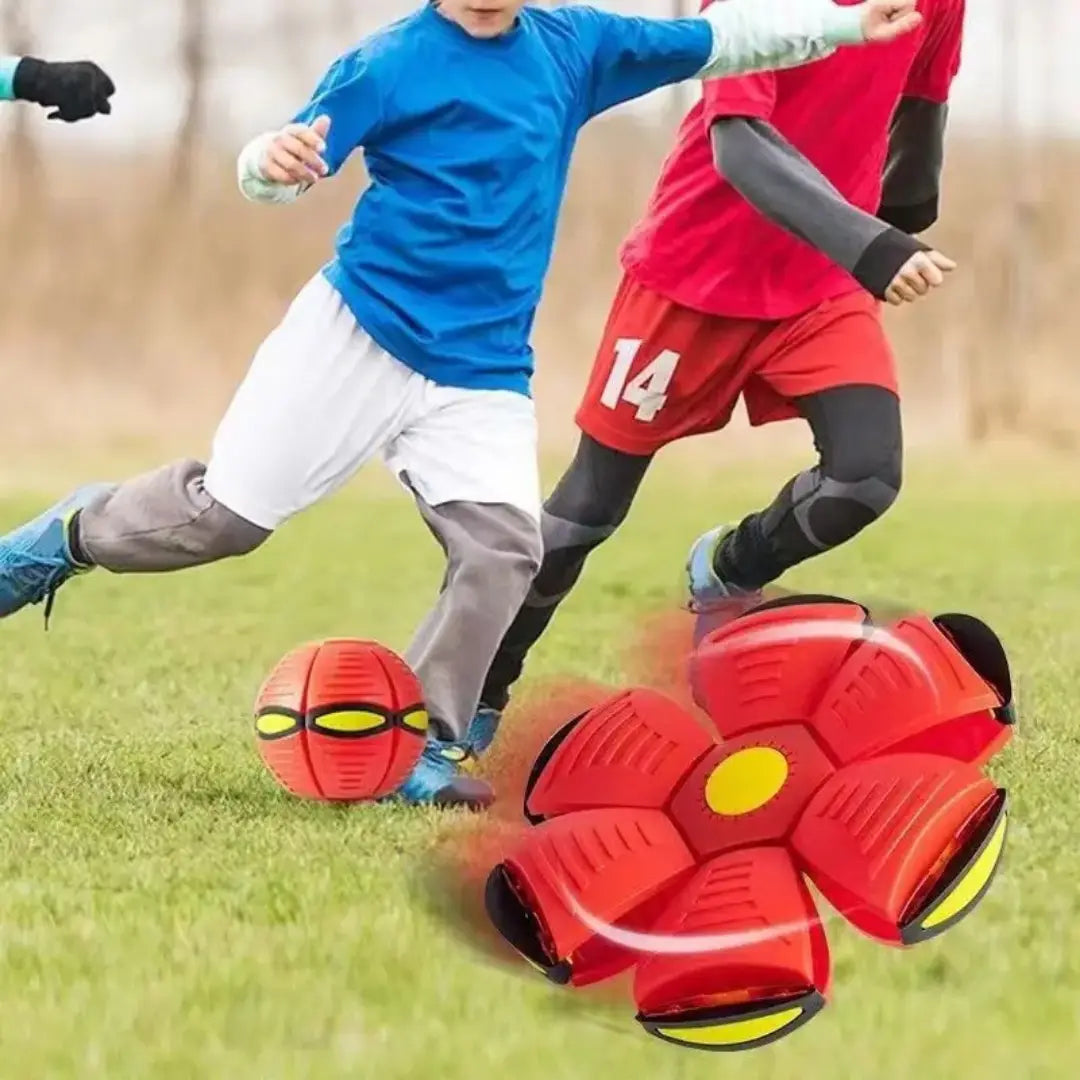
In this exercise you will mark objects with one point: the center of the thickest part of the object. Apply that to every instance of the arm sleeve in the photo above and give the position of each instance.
(912, 187)
(911, 192)
(764, 35)
(8, 67)
(631, 56)
(786, 189)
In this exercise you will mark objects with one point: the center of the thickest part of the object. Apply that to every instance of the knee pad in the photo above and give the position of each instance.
(566, 546)
(830, 511)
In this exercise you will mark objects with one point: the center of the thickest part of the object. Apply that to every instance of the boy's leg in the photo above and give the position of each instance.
(492, 553)
(319, 399)
(857, 431)
(834, 368)
(162, 520)
(470, 460)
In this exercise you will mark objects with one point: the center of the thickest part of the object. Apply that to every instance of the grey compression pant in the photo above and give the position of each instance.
(166, 520)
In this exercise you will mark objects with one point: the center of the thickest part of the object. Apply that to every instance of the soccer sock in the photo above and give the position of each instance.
(75, 548)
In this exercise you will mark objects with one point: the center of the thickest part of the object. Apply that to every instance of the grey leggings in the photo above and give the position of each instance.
(165, 520)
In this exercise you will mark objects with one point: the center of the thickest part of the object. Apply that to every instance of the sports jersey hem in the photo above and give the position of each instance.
(515, 382)
(636, 270)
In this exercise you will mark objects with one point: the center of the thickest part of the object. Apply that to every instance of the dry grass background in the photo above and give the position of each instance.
(132, 303)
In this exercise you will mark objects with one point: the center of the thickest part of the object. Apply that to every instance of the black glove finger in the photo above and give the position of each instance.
(74, 110)
(105, 107)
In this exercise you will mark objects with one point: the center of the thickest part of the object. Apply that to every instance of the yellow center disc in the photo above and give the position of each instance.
(746, 781)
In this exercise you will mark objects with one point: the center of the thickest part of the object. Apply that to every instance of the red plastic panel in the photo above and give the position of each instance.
(753, 891)
(629, 751)
(609, 861)
(771, 666)
(898, 689)
(876, 830)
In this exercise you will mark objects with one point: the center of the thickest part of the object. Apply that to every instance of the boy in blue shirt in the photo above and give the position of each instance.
(412, 344)
(75, 90)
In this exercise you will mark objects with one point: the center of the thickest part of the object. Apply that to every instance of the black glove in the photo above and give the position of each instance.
(75, 91)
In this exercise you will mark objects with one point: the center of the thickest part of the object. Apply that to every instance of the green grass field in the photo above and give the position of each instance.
(166, 912)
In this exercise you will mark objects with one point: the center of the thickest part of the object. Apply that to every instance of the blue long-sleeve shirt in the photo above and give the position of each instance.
(468, 142)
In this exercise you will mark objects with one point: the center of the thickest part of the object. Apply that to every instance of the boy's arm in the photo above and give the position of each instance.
(345, 113)
(784, 187)
(772, 34)
(74, 91)
(8, 66)
(632, 56)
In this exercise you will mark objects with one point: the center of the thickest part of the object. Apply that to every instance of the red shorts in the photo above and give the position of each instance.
(664, 371)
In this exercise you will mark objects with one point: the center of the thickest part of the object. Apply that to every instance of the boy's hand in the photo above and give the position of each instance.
(924, 271)
(75, 90)
(886, 20)
(293, 156)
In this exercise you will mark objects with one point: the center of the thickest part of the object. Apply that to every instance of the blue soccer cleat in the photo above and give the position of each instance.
(483, 729)
(712, 599)
(36, 559)
(438, 779)
(706, 586)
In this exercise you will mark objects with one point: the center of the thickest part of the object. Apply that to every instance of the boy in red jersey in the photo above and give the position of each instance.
(787, 211)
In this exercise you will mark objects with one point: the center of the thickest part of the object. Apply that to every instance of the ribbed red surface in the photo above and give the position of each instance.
(746, 891)
(343, 673)
(629, 751)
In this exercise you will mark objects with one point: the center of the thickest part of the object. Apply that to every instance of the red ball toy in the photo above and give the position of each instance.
(341, 721)
(677, 848)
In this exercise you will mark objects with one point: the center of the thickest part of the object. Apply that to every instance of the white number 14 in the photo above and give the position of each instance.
(648, 388)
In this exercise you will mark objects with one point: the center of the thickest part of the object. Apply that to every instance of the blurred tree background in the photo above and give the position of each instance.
(139, 282)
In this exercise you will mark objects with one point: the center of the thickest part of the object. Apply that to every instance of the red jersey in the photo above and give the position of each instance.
(702, 245)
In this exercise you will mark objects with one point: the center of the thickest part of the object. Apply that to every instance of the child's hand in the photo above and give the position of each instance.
(886, 20)
(293, 155)
(918, 276)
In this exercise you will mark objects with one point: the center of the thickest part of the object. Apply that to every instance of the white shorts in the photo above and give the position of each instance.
(322, 399)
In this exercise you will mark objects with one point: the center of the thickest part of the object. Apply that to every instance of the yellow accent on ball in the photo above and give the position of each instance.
(737, 1033)
(275, 723)
(416, 720)
(746, 781)
(350, 722)
(967, 889)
